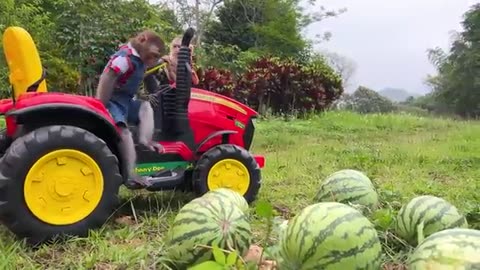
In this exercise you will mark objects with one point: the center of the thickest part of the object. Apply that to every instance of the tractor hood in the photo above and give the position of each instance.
(226, 103)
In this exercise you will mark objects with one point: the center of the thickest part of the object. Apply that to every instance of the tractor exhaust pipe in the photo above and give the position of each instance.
(183, 83)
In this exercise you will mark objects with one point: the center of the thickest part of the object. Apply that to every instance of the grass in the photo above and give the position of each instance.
(405, 156)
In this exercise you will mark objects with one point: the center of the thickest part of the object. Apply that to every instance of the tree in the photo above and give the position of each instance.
(197, 14)
(457, 85)
(272, 26)
(343, 65)
(365, 100)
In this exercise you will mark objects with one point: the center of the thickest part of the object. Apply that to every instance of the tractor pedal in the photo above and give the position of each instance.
(169, 179)
(132, 184)
(162, 180)
(162, 173)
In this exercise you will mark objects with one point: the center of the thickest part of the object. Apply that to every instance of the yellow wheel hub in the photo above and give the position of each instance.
(229, 173)
(63, 187)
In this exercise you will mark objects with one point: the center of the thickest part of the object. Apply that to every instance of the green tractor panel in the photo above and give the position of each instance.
(62, 167)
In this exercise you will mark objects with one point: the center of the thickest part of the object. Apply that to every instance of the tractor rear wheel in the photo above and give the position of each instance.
(4, 141)
(57, 181)
(227, 166)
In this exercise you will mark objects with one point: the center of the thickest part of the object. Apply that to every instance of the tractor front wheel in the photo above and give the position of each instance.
(227, 166)
(57, 181)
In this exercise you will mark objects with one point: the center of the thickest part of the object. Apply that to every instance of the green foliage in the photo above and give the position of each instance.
(457, 87)
(365, 100)
(31, 16)
(221, 260)
(272, 26)
(227, 57)
(88, 43)
(73, 46)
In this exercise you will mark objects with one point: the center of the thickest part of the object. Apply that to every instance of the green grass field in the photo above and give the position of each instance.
(404, 156)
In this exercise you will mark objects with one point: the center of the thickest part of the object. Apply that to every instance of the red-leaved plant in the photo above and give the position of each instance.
(281, 86)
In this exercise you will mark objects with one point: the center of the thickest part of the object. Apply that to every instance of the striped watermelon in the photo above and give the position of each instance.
(457, 248)
(348, 186)
(235, 197)
(330, 235)
(436, 214)
(206, 221)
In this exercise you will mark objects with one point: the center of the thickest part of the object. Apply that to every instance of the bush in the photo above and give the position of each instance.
(280, 86)
(216, 80)
(409, 109)
(365, 100)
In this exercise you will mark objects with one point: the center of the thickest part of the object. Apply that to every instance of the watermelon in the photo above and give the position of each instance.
(348, 186)
(330, 235)
(206, 221)
(429, 213)
(229, 194)
(457, 248)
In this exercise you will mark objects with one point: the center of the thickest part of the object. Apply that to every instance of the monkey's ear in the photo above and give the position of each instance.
(142, 37)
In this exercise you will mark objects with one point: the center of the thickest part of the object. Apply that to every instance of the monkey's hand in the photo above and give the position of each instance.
(153, 100)
(156, 147)
(106, 86)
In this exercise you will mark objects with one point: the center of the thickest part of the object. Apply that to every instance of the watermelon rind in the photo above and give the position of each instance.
(206, 221)
(457, 248)
(232, 195)
(435, 213)
(352, 173)
(330, 235)
(348, 187)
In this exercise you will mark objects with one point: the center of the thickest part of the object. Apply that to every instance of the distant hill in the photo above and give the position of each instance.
(396, 94)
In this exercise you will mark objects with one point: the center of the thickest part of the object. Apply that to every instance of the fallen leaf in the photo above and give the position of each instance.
(268, 265)
(283, 210)
(254, 254)
(125, 220)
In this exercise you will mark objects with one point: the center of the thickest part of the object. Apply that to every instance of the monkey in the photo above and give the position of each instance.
(119, 82)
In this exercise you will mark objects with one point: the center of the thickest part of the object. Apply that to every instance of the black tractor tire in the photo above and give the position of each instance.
(4, 141)
(18, 160)
(222, 152)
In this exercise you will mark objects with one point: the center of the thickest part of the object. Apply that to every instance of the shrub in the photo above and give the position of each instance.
(280, 86)
(216, 80)
(365, 100)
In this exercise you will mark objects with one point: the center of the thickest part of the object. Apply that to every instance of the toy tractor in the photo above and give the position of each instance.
(62, 167)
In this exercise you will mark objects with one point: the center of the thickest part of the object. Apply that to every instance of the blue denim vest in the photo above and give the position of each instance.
(128, 83)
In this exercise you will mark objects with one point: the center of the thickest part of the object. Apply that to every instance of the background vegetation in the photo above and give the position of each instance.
(253, 51)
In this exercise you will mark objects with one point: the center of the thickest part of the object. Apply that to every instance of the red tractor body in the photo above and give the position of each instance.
(208, 113)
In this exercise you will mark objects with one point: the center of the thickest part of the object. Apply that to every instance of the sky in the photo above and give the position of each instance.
(388, 39)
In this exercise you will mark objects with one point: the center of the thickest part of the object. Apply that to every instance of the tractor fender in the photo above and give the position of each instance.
(33, 117)
(63, 114)
(224, 133)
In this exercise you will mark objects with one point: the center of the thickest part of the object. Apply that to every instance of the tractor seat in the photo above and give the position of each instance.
(23, 60)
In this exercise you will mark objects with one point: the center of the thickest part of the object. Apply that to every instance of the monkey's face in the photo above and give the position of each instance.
(151, 54)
